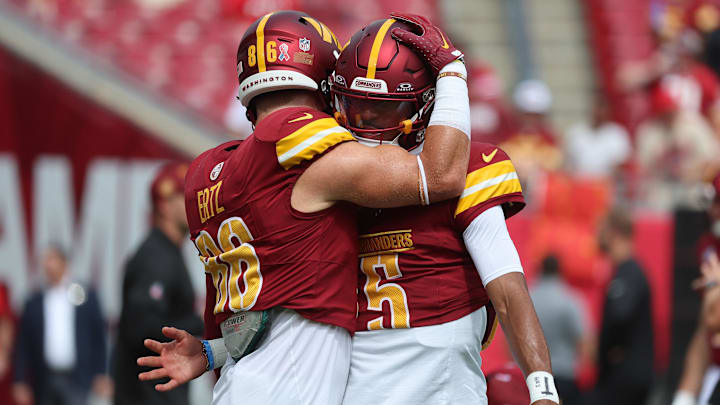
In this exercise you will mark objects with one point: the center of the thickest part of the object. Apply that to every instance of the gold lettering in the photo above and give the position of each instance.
(218, 207)
(208, 202)
(408, 240)
(201, 206)
(394, 239)
(385, 242)
(379, 243)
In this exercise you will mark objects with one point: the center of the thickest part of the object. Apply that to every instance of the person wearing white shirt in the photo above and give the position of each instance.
(596, 149)
(60, 354)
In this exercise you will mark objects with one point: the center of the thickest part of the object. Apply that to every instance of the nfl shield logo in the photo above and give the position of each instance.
(304, 44)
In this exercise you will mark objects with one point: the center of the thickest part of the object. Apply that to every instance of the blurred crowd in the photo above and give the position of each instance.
(660, 163)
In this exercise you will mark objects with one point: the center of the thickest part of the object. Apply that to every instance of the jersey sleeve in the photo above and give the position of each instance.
(491, 180)
(302, 134)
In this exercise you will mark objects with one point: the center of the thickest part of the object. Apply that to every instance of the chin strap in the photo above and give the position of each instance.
(377, 142)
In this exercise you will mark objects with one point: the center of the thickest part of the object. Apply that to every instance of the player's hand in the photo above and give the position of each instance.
(180, 360)
(710, 270)
(432, 44)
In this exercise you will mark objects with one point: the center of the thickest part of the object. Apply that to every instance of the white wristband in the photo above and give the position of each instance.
(542, 386)
(424, 182)
(452, 104)
(684, 398)
(219, 352)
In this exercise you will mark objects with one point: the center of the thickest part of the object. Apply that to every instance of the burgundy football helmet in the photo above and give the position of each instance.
(382, 90)
(285, 50)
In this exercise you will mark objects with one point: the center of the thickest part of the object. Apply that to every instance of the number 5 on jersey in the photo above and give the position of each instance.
(234, 266)
(377, 292)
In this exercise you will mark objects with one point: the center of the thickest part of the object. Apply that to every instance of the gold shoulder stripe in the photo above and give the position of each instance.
(488, 182)
(375, 50)
(309, 141)
(260, 34)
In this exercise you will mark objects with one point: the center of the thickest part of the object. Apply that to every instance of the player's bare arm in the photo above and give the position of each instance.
(388, 176)
(697, 360)
(510, 297)
(710, 316)
(488, 241)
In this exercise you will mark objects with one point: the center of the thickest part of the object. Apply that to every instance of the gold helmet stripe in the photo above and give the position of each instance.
(260, 34)
(315, 24)
(328, 35)
(375, 50)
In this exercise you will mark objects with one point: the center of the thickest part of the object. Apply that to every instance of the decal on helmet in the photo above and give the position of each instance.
(428, 95)
(372, 85)
(283, 52)
(303, 57)
(340, 80)
(402, 87)
(375, 50)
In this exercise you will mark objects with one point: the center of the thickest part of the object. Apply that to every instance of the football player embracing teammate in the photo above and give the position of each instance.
(432, 279)
(278, 245)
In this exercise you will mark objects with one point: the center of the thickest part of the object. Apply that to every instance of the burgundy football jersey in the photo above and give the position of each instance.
(257, 250)
(414, 268)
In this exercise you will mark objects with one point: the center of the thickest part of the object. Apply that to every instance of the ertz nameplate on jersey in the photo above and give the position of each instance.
(243, 331)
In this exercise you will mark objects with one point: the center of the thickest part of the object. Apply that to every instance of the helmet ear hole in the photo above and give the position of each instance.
(339, 117)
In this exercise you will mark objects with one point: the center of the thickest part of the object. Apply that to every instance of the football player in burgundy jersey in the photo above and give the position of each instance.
(427, 275)
(278, 244)
(701, 371)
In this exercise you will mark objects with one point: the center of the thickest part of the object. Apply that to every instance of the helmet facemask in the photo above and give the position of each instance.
(388, 118)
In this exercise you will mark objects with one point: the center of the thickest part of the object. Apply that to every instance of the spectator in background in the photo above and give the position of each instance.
(506, 386)
(563, 319)
(599, 147)
(490, 116)
(675, 149)
(531, 143)
(157, 291)
(625, 352)
(674, 70)
(60, 354)
(532, 138)
(7, 337)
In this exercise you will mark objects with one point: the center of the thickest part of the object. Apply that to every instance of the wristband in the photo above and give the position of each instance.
(683, 397)
(454, 74)
(452, 103)
(207, 353)
(219, 352)
(423, 187)
(542, 386)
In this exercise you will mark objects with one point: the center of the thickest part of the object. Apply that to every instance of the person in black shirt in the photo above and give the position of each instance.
(157, 291)
(625, 351)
